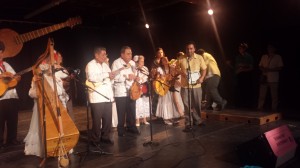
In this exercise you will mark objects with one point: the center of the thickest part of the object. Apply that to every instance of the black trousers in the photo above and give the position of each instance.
(102, 121)
(9, 116)
(126, 110)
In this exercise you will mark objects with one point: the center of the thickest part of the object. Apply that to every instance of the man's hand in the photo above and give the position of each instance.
(18, 77)
(200, 80)
(131, 77)
(111, 75)
(7, 75)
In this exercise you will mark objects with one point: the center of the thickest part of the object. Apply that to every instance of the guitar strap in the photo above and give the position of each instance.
(2, 67)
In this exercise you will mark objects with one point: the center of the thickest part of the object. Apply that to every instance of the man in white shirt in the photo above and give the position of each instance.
(270, 65)
(8, 103)
(122, 83)
(99, 74)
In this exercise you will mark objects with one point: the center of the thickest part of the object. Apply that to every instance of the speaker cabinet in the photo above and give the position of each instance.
(269, 150)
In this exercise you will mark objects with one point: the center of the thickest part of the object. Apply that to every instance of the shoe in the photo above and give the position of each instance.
(181, 117)
(224, 102)
(107, 141)
(175, 122)
(146, 123)
(167, 122)
(94, 143)
(71, 151)
(199, 122)
(187, 128)
(209, 108)
(137, 124)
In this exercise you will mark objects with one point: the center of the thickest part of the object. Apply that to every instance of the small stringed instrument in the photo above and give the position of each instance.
(10, 82)
(14, 42)
(135, 90)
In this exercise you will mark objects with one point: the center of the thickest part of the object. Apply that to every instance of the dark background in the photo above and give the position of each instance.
(114, 23)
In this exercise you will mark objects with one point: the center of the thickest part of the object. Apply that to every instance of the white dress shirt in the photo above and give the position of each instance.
(99, 73)
(271, 62)
(121, 82)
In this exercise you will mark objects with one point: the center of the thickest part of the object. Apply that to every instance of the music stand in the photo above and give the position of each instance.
(88, 148)
(151, 142)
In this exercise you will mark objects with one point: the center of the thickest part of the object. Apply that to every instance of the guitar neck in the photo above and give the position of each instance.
(38, 33)
(24, 71)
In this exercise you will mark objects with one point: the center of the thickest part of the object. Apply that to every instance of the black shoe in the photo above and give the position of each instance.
(95, 144)
(224, 103)
(187, 129)
(209, 108)
(121, 134)
(107, 141)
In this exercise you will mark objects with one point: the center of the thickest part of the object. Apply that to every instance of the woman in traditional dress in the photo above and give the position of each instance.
(166, 107)
(142, 103)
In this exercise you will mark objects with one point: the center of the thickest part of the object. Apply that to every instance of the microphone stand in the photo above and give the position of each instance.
(151, 142)
(189, 78)
(88, 149)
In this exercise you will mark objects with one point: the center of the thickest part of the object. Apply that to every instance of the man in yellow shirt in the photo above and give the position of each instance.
(193, 71)
(211, 82)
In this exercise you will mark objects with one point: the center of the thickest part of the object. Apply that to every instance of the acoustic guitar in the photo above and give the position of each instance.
(162, 85)
(14, 42)
(10, 82)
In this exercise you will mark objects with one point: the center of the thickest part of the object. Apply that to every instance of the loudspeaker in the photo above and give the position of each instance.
(271, 149)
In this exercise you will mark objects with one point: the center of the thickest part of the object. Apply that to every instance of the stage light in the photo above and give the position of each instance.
(210, 12)
(147, 25)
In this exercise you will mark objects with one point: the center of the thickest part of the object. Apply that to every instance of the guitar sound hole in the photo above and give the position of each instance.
(6, 79)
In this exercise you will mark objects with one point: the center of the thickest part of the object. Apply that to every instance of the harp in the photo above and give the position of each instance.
(60, 133)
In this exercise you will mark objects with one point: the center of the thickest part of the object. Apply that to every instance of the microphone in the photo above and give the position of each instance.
(73, 71)
(189, 77)
(59, 69)
(188, 65)
(76, 71)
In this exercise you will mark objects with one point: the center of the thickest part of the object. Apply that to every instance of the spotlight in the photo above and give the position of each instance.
(210, 12)
(147, 25)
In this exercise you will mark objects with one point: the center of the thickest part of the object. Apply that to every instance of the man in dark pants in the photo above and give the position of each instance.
(99, 74)
(122, 83)
(211, 82)
(8, 104)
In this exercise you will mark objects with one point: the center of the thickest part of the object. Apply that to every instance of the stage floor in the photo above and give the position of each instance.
(210, 146)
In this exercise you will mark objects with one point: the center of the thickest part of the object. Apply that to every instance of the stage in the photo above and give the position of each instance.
(213, 145)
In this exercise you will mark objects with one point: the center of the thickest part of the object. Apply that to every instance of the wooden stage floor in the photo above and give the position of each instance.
(213, 145)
